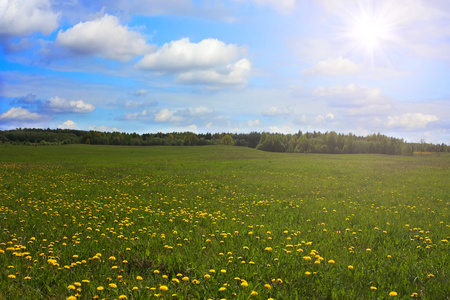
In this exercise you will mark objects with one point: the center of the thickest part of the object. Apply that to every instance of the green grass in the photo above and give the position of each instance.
(106, 215)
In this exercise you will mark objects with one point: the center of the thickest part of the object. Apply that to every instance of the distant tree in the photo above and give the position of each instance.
(227, 140)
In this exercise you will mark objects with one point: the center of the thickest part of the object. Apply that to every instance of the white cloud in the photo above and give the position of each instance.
(68, 125)
(210, 62)
(411, 121)
(20, 114)
(277, 111)
(182, 55)
(139, 93)
(137, 116)
(252, 123)
(24, 17)
(334, 67)
(104, 37)
(199, 111)
(103, 128)
(236, 74)
(166, 115)
(61, 105)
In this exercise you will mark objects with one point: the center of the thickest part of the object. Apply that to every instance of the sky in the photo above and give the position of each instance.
(147, 66)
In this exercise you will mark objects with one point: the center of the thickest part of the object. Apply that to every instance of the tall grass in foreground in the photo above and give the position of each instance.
(84, 222)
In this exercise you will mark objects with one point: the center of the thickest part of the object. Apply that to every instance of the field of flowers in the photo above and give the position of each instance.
(217, 222)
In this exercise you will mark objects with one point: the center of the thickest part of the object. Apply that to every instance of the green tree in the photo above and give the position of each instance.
(227, 140)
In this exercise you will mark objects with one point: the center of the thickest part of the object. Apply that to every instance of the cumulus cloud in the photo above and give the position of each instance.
(61, 105)
(334, 67)
(277, 111)
(69, 124)
(20, 114)
(103, 128)
(24, 17)
(104, 37)
(166, 115)
(236, 74)
(411, 121)
(182, 55)
(208, 62)
(137, 116)
(252, 123)
(140, 93)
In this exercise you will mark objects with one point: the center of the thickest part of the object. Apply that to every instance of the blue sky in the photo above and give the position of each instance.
(360, 66)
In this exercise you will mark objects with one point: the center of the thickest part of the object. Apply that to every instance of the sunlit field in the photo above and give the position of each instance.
(218, 222)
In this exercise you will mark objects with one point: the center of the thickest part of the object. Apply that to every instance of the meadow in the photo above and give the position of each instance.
(218, 222)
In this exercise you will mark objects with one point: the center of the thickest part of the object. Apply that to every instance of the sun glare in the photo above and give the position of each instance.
(370, 31)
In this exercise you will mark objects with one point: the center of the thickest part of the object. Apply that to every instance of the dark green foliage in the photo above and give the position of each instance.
(315, 142)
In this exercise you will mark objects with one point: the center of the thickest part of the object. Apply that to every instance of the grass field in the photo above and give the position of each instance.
(213, 222)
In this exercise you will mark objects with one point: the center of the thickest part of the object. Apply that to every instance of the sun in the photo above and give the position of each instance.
(370, 31)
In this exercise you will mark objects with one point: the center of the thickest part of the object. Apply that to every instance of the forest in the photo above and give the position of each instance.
(308, 142)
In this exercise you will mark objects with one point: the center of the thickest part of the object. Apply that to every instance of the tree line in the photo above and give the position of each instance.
(308, 142)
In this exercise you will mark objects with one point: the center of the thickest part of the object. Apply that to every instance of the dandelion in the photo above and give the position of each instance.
(71, 298)
(307, 273)
(195, 281)
(392, 294)
(85, 281)
(138, 278)
(71, 287)
(185, 278)
(112, 285)
(123, 297)
(244, 283)
(368, 249)
(350, 267)
(267, 286)
(222, 289)
(413, 295)
(223, 271)
(112, 258)
(12, 276)
(207, 276)
(100, 288)
(373, 288)
(254, 293)
(331, 261)
(212, 271)
(163, 288)
(268, 249)
(135, 288)
(430, 275)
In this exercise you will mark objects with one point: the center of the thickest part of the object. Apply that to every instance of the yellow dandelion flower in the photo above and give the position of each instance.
(185, 278)
(71, 298)
(430, 275)
(212, 271)
(195, 281)
(163, 288)
(331, 261)
(100, 288)
(112, 285)
(223, 271)
(414, 295)
(112, 258)
(244, 284)
(135, 288)
(267, 286)
(222, 289)
(350, 267)
(373, 288)
(138, 278)
(207, 276)
(123, 297)
(71, 287)
(393, 294)
(268, 249)
(307, 273)
(254, 293)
